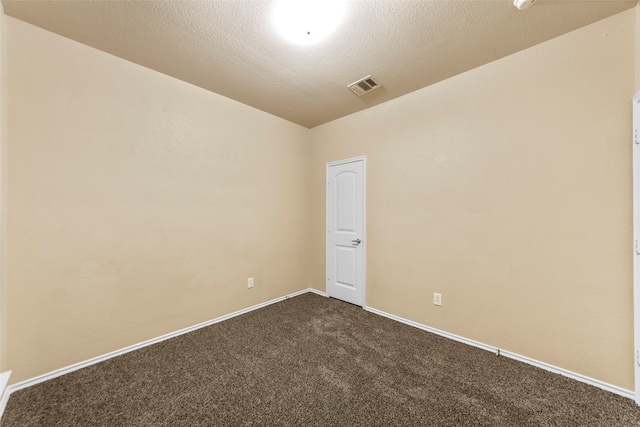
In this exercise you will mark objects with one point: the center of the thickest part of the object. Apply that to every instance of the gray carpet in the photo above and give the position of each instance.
(314, 361)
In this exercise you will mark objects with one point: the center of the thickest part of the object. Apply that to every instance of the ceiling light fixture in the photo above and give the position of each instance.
(523, 4)
(306, 22)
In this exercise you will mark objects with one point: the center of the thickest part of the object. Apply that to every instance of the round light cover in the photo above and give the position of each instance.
(523, 4)
(307, 21)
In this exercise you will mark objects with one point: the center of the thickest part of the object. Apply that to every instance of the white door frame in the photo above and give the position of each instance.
(363, 245)
(636, 243)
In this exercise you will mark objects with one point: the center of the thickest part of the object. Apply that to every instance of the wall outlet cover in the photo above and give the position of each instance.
(437, 299)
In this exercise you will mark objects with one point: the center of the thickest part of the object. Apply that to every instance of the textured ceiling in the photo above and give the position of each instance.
(231, 47)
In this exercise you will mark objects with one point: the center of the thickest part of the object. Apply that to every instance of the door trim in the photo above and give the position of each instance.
(635, 142)
(362, 159)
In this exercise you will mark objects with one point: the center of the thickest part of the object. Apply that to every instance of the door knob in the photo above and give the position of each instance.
(357, 241)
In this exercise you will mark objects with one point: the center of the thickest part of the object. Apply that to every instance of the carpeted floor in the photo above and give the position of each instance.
(314, 361)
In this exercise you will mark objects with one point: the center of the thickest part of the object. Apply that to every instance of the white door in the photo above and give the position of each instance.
(346, 230)
(636, 241)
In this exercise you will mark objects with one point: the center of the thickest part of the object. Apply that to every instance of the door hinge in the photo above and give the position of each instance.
(638, 357)
(636, 247)
(635, 136)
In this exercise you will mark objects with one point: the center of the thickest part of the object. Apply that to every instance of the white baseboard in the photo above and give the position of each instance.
(4, 377)
(98, 359)
(573, 375)
(317, 292)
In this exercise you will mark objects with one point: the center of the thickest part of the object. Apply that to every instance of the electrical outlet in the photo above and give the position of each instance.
(250, 282)
(437, 299)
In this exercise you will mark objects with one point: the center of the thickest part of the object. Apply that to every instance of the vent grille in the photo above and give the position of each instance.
(363, 86)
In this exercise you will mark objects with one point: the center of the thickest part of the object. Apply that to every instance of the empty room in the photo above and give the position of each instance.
(320, 213)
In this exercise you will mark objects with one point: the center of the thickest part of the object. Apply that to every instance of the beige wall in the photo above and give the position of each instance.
(508, 190)
(138, 204)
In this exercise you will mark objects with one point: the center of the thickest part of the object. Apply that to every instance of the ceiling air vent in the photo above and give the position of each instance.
(363, 86)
